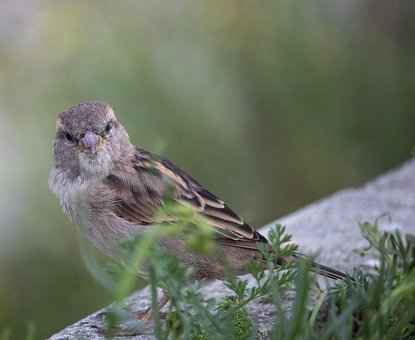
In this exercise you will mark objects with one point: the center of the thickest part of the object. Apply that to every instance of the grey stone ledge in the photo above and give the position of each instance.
(329, 226)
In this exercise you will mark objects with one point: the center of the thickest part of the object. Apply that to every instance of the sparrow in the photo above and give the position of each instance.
(112, 190)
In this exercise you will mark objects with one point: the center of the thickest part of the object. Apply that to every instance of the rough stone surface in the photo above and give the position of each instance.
(329, 226)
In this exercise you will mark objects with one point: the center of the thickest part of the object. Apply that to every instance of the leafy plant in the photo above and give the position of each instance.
(368, 306)
(383, 305)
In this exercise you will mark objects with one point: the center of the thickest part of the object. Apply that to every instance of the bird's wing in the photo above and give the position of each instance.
(138, 196)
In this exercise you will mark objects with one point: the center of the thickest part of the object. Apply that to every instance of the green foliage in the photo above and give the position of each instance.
(383, 305)
(368, 306)
(190, 314)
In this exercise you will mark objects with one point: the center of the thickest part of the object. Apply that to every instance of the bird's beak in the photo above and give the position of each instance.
(91, 142)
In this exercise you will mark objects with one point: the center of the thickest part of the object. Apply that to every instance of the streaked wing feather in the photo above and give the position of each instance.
(138, 200)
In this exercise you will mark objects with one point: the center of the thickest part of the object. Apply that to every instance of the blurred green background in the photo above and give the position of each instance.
(270, 104)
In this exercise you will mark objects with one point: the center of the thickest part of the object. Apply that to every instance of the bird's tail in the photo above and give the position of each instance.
(315, 267)
(324, 270)
(328, 271)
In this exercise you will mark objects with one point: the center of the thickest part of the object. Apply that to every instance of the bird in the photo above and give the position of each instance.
(111, 190)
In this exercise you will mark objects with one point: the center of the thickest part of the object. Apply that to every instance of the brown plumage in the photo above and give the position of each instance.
(112, 190)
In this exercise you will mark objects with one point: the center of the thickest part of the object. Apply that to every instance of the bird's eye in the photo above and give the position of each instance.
(68, 136)
(109, 127)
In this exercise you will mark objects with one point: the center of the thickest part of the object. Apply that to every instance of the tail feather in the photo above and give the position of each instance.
(324, 270)
(315, 267)
(328, 272)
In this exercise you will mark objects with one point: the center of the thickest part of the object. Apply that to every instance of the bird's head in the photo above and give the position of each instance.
(88, 140)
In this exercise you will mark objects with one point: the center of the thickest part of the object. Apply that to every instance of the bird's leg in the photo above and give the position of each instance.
(160, 304)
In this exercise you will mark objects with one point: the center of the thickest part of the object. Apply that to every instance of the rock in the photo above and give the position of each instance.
(331, 226)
